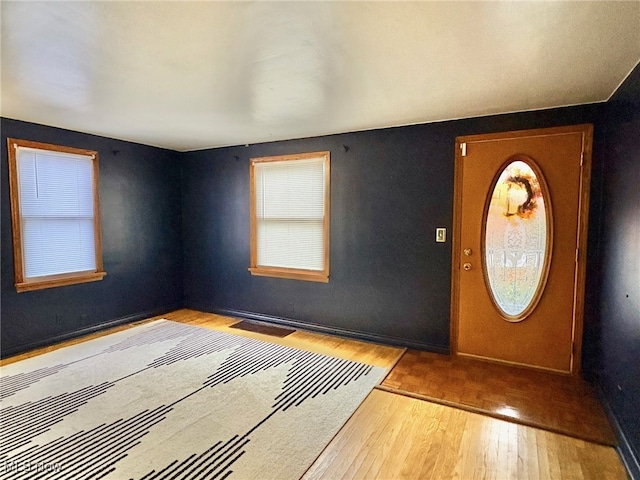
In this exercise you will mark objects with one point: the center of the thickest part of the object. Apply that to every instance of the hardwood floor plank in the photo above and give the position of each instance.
(528, 468)
(553, 455)
(451, 426)
(428, 439)
(543, 454)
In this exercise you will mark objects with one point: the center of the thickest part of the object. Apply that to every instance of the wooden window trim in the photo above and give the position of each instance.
(291, 273)
(23, 284)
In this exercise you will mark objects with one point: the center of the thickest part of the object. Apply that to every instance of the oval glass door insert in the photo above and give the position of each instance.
(517, 239)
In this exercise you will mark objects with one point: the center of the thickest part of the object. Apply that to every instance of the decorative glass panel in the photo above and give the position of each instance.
(516, 240)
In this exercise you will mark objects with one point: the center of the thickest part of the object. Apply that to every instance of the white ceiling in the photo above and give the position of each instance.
(193, 75)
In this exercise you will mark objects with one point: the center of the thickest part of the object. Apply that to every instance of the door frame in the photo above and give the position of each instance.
(583, 225)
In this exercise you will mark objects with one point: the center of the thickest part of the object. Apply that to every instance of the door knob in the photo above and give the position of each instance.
(467, 252)
(467, 266)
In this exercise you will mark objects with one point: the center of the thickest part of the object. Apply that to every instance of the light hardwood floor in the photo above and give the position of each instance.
(393, 436)
(396, 437)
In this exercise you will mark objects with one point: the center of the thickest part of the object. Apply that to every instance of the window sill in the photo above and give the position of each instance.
(41, 283)
(290, 273)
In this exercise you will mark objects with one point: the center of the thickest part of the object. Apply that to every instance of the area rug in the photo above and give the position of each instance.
(167, 400)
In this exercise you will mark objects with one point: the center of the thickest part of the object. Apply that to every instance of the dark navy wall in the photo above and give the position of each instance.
(141, 236)
(619, 371)
(390, 189)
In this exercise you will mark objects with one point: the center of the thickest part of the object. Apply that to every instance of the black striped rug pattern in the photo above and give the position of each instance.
(95, 453)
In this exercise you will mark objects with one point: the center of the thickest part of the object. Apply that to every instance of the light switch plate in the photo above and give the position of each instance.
(441, 235)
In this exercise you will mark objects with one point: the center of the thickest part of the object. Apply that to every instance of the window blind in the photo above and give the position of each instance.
(290, 214)
(56, 211)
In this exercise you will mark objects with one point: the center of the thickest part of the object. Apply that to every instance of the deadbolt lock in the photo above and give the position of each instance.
(467, 266)
(467, 252)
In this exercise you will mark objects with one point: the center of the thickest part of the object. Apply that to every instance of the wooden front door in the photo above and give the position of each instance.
(519, 250)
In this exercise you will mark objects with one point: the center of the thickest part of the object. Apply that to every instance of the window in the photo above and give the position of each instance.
(55, 215)
(290, 216)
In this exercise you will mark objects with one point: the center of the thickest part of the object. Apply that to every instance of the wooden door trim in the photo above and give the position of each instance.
(583, 230)
(532, 133)
(456, 249)
(583, 224)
